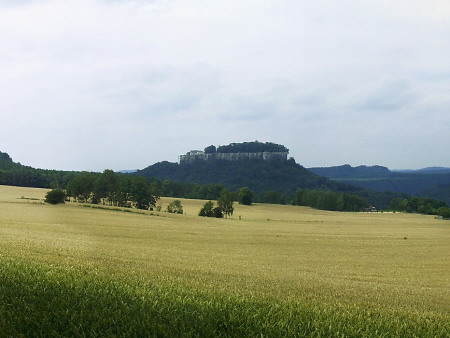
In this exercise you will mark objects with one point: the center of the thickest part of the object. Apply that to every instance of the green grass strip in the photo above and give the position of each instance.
(44, 300)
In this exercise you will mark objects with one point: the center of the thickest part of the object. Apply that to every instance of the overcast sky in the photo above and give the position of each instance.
(90, 85)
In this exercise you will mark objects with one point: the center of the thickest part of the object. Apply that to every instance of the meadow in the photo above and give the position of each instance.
(268, 270)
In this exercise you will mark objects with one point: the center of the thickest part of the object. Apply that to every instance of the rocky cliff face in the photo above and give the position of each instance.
(193, 156)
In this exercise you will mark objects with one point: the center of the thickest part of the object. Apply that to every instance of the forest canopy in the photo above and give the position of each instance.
(248, 147)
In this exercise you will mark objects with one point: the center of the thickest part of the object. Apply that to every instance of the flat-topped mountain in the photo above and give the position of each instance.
(237, 152)
(273, 174)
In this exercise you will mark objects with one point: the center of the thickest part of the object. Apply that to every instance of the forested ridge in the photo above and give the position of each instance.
(272, 181)
(12, 173)
(429, 182)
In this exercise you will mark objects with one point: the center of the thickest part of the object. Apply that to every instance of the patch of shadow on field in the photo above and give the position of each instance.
(133, 211)
(29, 198)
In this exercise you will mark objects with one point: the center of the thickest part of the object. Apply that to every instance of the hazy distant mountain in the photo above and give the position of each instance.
(429, 170)
(128, 171)
(433, 182)
(347, 171)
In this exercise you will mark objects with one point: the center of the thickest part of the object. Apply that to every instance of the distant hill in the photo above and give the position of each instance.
(261, 176)
(12, 173)
(433, 182)
(429, 170)
(347, 171)
(6, 162)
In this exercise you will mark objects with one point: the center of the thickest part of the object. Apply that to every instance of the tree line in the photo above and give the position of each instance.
(112, 189)
(329, 200)
(420, 205)
(247, 147)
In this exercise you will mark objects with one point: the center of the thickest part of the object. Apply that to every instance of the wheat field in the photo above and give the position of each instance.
(267, 270)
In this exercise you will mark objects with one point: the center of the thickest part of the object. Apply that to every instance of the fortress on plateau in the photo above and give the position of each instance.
(237, 152)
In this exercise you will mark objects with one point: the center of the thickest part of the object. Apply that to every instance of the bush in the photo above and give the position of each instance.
(217, 212)
(55, 196)
(175, 207)
(207, 210)
(245, 196)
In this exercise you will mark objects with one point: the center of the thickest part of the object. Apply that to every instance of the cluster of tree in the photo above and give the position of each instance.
(208, 210)
(248, 147)
(273, 197)
(175, 207)
(113, 189)
(421, 205)
(170, 188)
(329, 200)
(224, 206)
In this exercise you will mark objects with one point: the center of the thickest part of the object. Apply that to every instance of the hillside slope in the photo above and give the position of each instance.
(258, 175)
(16, 174)
(285, 177)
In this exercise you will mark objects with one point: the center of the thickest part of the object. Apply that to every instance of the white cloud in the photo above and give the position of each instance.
(124, 84)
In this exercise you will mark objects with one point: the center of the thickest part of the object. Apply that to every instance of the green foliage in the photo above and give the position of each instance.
(217, 212)
(6, 161)
(420, 205)
(16, 174)
(55, 196)
(210, 150)
(205, 180)
(439, 191)
(225, 202)
(81, 186)
(113, 189)
(141, 195)
(328, 200)
(207, 209)
(443, 212)
(272, 197)
(245, 196)
(252, 147)
(40, 300)
(175, 207)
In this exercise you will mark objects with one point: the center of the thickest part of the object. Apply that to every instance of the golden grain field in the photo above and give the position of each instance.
(392, 262)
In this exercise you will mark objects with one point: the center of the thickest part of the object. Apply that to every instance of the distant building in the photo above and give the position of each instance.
(371, 209)
(198, 155)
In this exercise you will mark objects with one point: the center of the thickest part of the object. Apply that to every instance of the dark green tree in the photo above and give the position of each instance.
(81, 186)
(55, 196)
(225, 202)
(217, 212)
(175, 207)
(245, 196)
(207, 209)
(123, 195)
(210, 150)
(141, 195)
